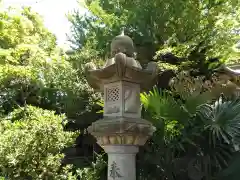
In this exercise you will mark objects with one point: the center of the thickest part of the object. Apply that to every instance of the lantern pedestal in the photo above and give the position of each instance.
(121, 162)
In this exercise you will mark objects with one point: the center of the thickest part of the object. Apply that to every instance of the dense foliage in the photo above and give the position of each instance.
(34, 68)
(35, 76)
(31, 142)
(39, 83)
(193, 35)
(195, 141)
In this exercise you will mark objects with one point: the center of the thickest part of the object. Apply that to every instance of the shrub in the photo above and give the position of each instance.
(31, 142)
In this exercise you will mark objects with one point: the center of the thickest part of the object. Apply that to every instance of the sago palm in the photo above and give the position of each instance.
(222, 120)
(200, 136)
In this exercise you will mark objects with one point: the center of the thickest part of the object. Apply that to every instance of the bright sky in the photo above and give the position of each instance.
(54, 14)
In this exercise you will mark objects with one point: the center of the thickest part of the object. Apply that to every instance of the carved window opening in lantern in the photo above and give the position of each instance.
(113, 94)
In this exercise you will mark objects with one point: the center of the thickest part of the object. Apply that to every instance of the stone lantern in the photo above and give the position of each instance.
(122, 130)
(231, 73)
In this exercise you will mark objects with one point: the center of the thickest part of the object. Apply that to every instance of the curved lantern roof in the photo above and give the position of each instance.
(232, 69)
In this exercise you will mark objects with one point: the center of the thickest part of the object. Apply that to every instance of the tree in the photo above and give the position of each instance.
(34, 72)
(24, 28)
(193, 35)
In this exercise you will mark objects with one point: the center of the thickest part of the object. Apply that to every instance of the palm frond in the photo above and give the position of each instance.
(222, 119)
(163, 106)
(192, 102)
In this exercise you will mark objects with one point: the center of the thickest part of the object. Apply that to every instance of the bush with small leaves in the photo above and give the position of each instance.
(31, 142)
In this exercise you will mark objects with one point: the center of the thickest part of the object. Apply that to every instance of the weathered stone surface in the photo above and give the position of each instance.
(122, 130)
(124, 44)
(121, 162)
(229, 79)
(122, 99)
(122, 69)
(233, 69)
